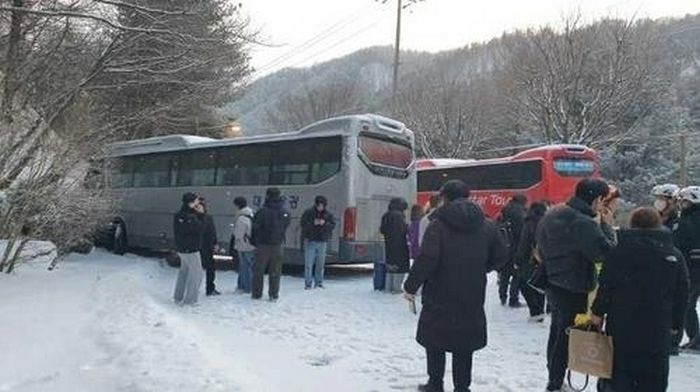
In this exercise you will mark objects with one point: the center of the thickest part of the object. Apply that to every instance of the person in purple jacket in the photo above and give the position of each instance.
(417, 214)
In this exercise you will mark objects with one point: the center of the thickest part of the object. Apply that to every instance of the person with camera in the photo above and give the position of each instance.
(571, 238)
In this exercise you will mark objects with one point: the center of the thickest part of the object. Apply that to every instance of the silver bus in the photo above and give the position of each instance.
(359, 162)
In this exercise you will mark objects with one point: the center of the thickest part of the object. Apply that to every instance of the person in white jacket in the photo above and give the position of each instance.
(242, 229)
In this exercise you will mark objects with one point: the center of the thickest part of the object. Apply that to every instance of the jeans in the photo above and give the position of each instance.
(245, 270)
(189, 279)
(314, 262)
(461, 369)
(565, 306)
(270, 258)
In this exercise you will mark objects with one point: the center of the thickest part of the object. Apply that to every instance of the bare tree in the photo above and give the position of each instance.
(77, 75)
(309, 104)
(451, 116)
(583, 84)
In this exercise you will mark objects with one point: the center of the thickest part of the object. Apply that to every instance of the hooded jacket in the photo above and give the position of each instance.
(395, 231)
(270, 224)
(242, 230)
(527, 243)
(459, 248)
(570, 242)
(643, 291)
(188, 228)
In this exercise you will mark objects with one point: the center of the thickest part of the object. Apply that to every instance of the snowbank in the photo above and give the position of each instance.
(34, 252)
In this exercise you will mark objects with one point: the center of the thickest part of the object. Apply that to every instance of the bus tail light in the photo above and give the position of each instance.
(349, 221)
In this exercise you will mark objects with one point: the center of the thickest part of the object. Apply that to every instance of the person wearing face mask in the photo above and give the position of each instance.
(665, 203)
(687, 240)
(571, 238)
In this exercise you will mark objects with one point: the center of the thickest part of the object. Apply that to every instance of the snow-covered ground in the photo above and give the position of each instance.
(106, 323)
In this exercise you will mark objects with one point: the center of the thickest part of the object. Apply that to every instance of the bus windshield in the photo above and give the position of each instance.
(574, 167)
(386, 153)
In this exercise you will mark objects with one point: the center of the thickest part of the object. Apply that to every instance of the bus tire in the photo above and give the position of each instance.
(172, 259)
(119, 241)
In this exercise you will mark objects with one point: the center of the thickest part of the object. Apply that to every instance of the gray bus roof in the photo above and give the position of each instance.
(329, 127)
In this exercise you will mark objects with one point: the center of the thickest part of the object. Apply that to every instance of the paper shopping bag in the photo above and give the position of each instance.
(591, 352)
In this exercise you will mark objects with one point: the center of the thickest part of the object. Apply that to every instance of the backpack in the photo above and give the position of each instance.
(505, 230)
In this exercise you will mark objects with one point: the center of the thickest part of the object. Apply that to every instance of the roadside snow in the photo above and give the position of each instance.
(106, 323)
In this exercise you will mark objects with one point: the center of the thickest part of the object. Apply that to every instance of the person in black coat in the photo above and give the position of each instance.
(687, 239)
(643, 294)
(209, 246)
(317, 224)
(512, 220)
(395, 230)
(570, 240)
(525, 261)
(187, 230)
(269, 233)
(459, 248)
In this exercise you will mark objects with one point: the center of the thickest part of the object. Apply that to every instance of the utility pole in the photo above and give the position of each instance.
(684, 164)
(397, 49)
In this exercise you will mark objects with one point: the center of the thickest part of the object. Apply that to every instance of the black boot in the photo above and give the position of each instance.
(430, 388)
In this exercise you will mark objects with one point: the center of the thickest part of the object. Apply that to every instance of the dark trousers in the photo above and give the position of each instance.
(508, 285)
(461, 369)
(636, 373)
(534, 299)
(565, 306)
(692, 326)
(208, 265)
(270, 258)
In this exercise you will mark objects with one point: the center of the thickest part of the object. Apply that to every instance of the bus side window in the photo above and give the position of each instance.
(196, 168)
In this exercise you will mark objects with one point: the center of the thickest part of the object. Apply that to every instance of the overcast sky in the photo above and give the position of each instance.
(305, 32)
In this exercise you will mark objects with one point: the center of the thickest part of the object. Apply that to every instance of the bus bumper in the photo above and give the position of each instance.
(351, 252)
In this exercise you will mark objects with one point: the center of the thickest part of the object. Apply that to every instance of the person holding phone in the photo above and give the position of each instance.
(317, 225)
(571, 238)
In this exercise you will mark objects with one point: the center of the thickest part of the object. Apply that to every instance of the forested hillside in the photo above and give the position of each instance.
(628, 88)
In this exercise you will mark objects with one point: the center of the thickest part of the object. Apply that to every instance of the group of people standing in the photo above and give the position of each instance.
(634, 283)
(257, 243)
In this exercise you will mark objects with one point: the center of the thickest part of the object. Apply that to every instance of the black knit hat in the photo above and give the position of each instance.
(189, 197)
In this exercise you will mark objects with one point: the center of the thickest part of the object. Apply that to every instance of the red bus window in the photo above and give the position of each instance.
(385, 152)
(574, 167)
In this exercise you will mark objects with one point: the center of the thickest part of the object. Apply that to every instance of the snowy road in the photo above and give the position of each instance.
(106, 323)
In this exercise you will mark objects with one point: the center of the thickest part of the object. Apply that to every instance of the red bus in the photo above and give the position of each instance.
(547, 173)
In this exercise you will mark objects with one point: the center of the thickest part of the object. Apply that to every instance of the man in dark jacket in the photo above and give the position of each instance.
(187, 228)
(643, 291)
(525, 261)
(209, 244)
(459, 248)
(268, 235)
(395, 230)
(511, 224)
(317, 224)
(570, 240)
(687, 239)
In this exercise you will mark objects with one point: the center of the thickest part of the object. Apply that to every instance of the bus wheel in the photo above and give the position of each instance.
(120, 243)
(172, 259)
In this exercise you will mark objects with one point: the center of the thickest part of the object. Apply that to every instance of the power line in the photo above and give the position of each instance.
(338, 43)
(311, 42)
